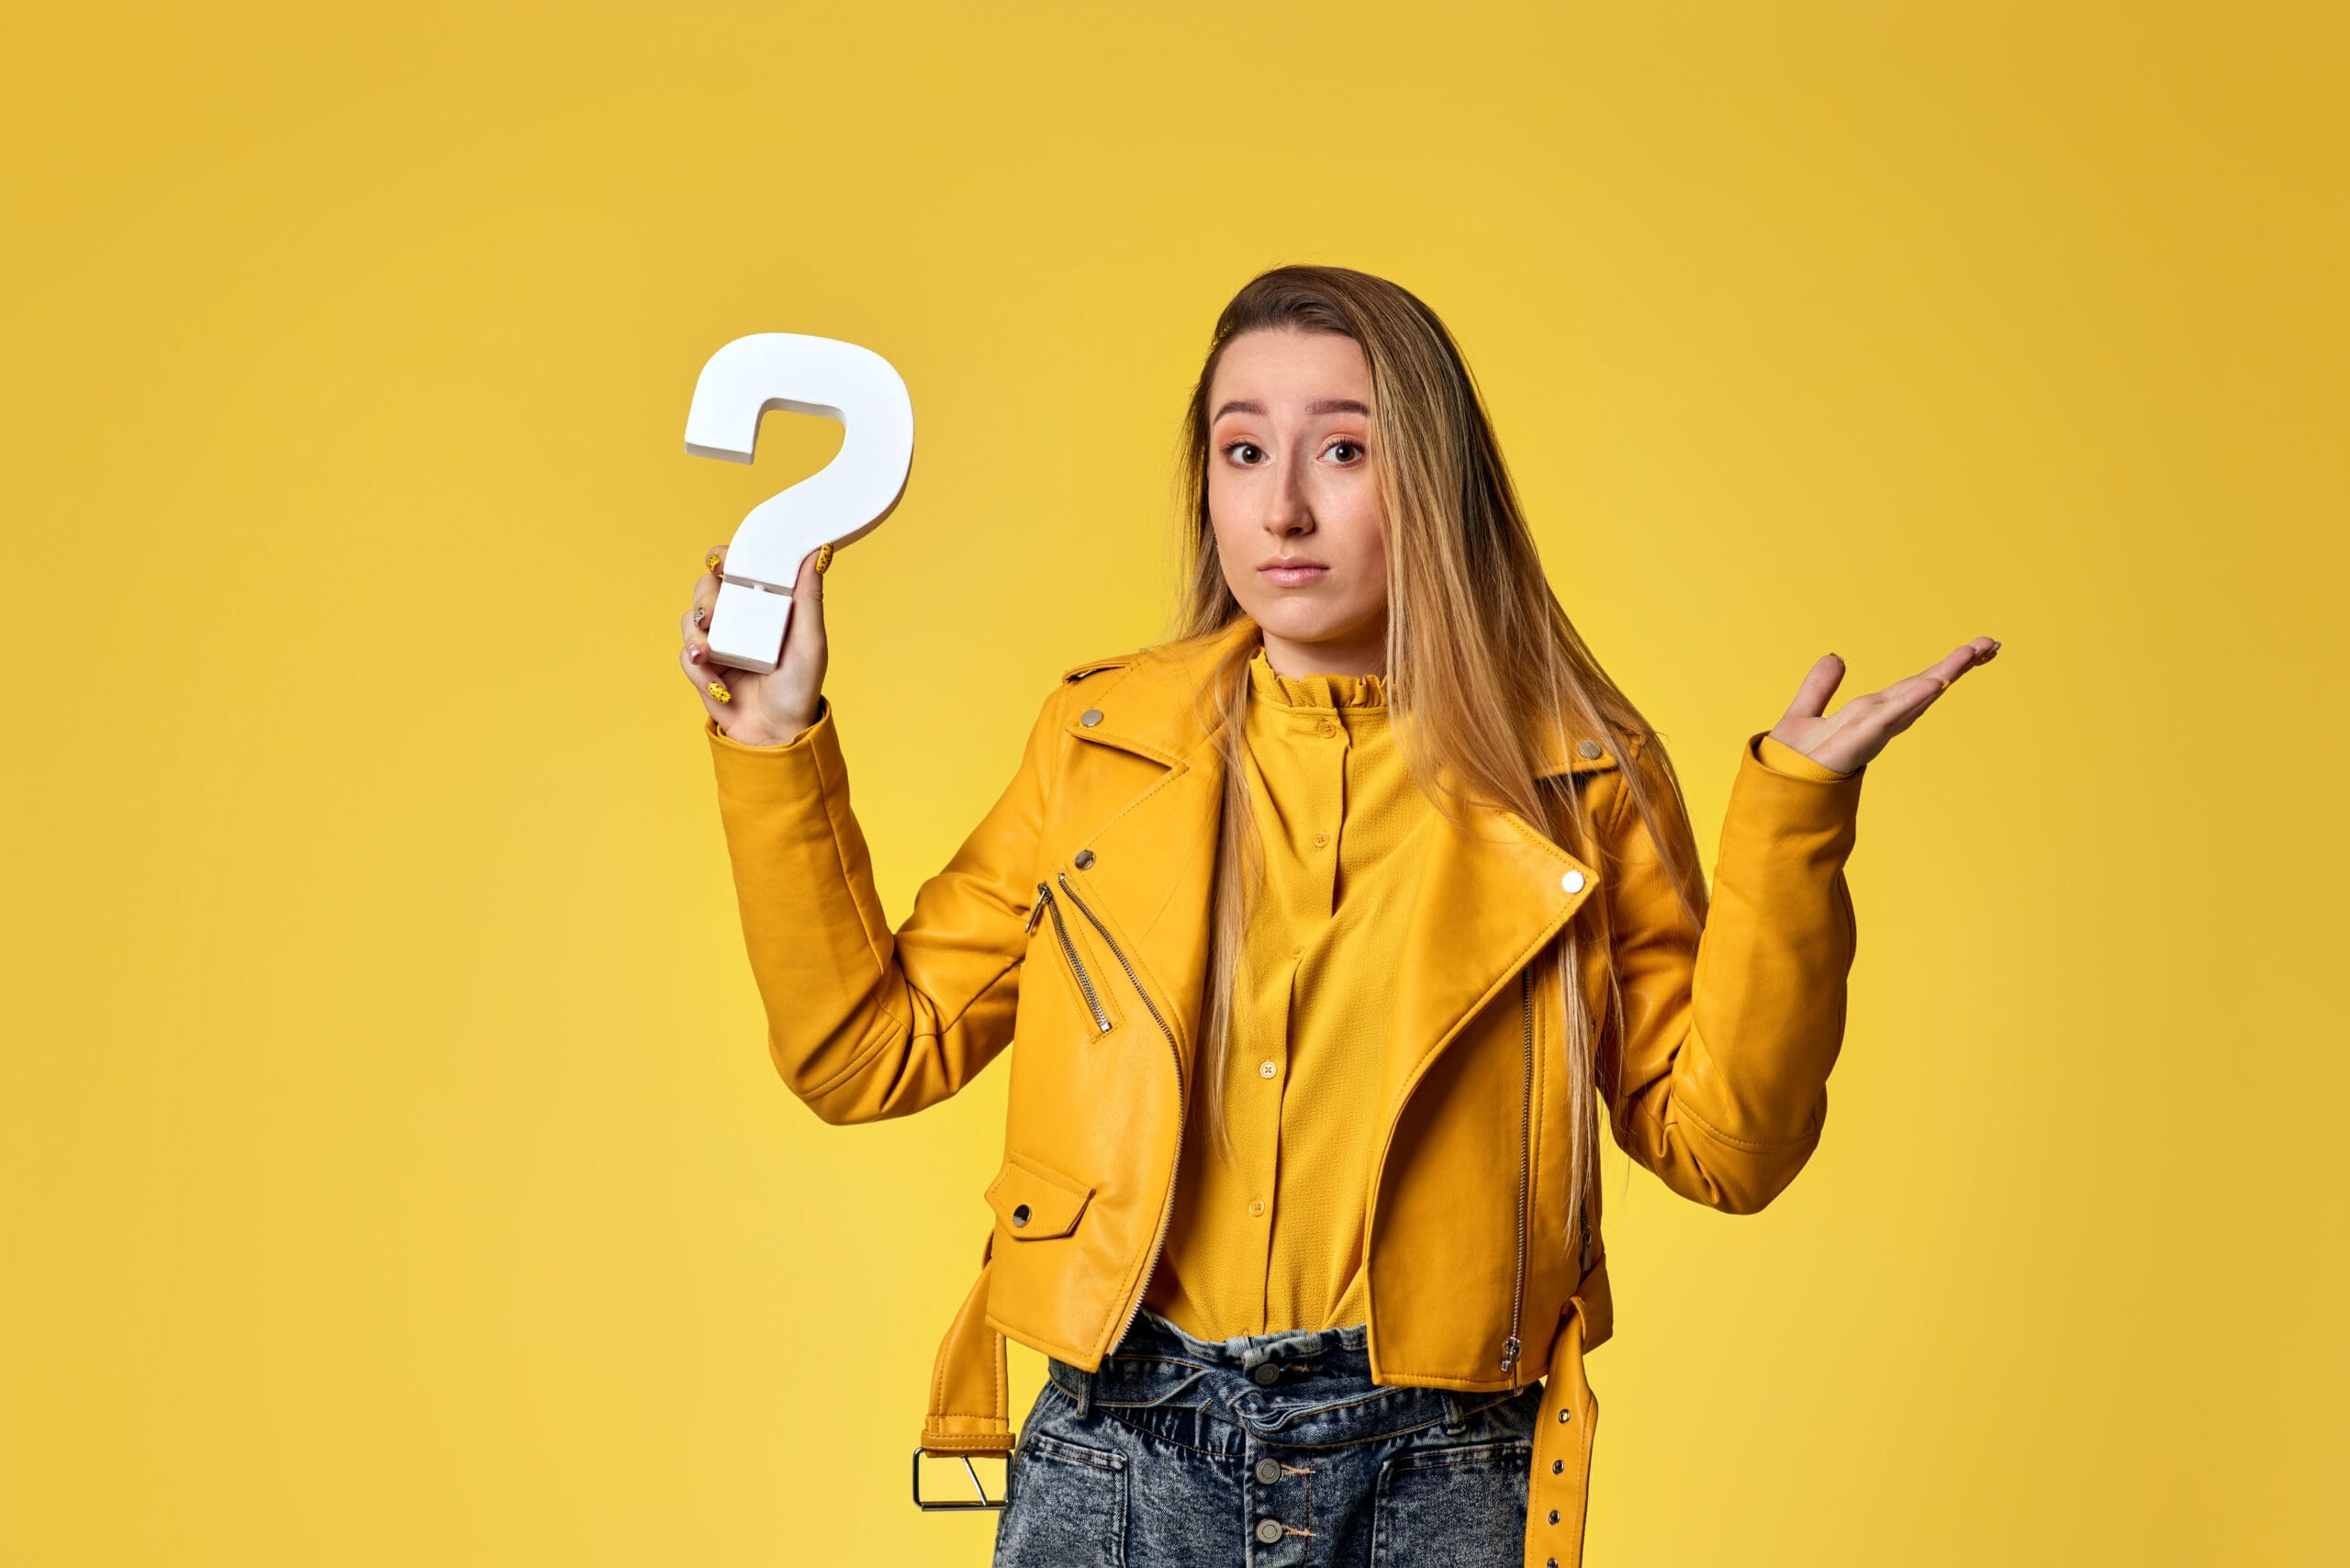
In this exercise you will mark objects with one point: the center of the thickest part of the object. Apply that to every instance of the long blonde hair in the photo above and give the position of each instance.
(1476, 641)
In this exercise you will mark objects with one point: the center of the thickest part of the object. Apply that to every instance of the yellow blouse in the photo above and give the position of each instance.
(1275, 1241)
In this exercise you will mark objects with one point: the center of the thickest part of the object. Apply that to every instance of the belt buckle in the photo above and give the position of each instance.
(984, 1501)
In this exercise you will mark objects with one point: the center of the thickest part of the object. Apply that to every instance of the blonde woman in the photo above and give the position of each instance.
(1330, 929)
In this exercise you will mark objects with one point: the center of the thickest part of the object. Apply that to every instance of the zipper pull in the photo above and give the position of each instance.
(1510, 1348)
(1036, 909)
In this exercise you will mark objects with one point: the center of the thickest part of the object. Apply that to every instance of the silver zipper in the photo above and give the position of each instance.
(1084, 981)
(1181, 1099)
(1512, 1346)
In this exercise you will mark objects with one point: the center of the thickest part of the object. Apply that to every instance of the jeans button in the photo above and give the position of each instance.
(1269, 1530)
(1265, 1373)
(1269, 1470)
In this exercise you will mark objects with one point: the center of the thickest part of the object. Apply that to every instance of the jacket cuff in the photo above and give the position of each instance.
(1772, 813)
(1781, 757)
(764, 775)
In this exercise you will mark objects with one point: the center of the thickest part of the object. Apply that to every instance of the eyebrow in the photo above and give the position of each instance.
(1325, 406)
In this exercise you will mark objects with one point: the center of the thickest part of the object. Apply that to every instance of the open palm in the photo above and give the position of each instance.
(1847, 739)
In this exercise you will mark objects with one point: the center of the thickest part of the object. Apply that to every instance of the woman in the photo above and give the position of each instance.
(1353, 904)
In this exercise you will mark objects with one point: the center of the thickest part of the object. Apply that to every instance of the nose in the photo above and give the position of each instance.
(1288, 511)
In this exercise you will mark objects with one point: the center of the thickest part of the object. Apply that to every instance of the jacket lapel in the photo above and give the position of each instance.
(1488, 899)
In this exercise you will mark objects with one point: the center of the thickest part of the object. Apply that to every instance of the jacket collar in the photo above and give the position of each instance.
(1156, 714)
(1488, 900)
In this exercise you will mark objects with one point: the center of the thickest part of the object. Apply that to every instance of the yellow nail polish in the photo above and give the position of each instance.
(720, 693)
(823, 558)
(711, 564)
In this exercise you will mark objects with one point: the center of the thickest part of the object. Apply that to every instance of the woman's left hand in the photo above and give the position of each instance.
(1847, 740)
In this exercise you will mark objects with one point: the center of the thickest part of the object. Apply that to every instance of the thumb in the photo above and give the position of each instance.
(806, 637)
(1819, 684)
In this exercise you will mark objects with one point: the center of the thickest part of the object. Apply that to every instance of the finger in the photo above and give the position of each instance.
(708, 681)
(1961, 659)
(694, 624)
(713, 567)
(1979, 651)
(1911, 697)
(1819, 684)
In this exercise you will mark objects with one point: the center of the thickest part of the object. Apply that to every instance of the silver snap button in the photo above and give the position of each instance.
(1265, 1373)
(1084, 858)
(1269, 1470)
(1588, 748)
(1571, 882)
(1562, 1414)
(1091, 716)
(1554, 1515)
(1019, 1214)
(1269, 1530)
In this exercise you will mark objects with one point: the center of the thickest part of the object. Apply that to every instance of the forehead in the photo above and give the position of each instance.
(1285, 370)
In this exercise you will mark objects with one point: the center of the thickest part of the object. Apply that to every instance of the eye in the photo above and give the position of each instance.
(1353, 445)
(1231, 446)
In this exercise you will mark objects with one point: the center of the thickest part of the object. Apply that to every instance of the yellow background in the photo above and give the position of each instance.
(392, 1169)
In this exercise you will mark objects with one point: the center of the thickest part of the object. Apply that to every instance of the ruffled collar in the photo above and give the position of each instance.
(1269, 685)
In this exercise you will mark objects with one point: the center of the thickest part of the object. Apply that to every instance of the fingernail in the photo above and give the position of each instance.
(693, 652)
(711, 563)
(720, 693)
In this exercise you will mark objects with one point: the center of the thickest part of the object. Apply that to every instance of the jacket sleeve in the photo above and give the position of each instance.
(1729, 1035)
(865, 1022)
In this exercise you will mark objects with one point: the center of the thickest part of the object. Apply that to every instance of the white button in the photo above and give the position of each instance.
(1571, 882)
(1266, 1070)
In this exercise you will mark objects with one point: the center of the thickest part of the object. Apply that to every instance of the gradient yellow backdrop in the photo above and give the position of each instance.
(392, 1169)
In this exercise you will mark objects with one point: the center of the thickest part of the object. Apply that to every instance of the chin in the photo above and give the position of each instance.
(1300, 619)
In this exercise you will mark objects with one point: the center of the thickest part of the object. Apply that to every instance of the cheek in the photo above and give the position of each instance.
(1365, 525)
(1223, 506)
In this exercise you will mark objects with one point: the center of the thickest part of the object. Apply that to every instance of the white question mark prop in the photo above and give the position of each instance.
(845, 499)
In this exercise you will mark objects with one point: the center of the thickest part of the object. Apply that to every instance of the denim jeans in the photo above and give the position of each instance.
(1262, 1451)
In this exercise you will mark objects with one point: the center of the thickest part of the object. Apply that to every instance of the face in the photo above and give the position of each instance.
(1290, 478)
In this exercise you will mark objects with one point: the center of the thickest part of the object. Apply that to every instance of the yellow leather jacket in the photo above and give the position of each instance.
(1093, 869)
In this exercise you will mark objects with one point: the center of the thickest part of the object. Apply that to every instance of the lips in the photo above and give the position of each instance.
(1290, 574)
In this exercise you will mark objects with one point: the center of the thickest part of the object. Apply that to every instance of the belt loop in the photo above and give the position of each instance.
(1455, 1418)
(1084, 1394)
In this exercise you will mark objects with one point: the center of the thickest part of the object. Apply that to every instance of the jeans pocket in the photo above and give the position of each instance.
(1462, 1503)
(1067, 1499)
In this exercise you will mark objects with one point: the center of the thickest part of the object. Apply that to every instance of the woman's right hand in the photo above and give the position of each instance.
(759, 709)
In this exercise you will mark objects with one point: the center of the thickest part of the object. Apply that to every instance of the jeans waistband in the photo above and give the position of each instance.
(1300, 1380)
(1332, 1352)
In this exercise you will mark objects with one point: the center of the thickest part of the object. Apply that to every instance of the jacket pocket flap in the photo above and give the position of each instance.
(1034, 1201)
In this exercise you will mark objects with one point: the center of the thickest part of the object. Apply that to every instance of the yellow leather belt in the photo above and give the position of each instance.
(970, 1392)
